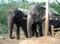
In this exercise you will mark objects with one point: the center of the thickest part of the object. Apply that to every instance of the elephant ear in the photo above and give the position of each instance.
(42, 13)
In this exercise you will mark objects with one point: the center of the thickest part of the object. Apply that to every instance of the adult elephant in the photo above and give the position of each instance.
(15, 16)
(35, 15)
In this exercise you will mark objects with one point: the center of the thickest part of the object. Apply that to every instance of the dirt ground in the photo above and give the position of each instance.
(12, 41)
(15, 41)
(7, 40)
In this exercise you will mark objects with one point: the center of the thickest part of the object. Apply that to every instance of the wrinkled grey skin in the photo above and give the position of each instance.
(36, 14)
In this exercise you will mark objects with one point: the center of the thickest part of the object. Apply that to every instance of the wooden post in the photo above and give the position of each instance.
(52, 28)
(46, 21)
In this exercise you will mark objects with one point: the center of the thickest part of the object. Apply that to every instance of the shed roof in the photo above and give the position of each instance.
(54, 12)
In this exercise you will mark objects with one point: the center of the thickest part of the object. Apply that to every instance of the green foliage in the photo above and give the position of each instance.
(4, 13)
(3, 29)
(56, 7)
(42, 3)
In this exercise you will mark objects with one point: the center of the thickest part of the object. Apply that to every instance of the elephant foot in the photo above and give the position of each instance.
(41, 35)
(29, 36)
(17, 38)
(33, 34)
(37, 35)
(12, 37)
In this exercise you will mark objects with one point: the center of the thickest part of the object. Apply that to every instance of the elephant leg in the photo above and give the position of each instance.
(10, 27)
(17, 32)
(34, 30)
(29, 25)
(40, 29)
(33, 27)
(49, 29)
(25, 31)
(11, 30)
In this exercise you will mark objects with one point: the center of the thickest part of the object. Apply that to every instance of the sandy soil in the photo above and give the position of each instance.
(9, 41)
